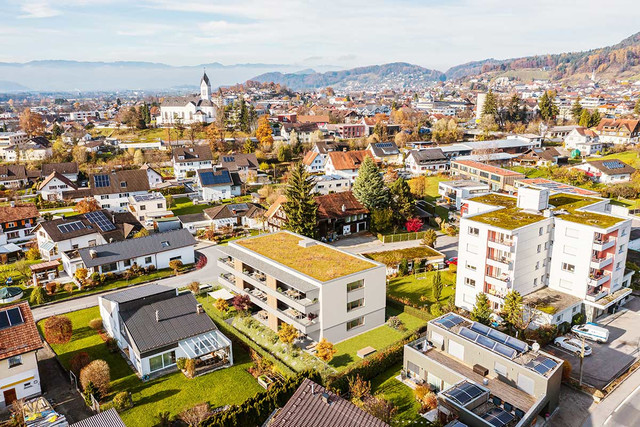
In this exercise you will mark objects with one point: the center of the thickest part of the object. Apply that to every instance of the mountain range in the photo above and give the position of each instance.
(619, 61)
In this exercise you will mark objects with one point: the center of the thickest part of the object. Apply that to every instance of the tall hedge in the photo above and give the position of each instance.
(255, 410)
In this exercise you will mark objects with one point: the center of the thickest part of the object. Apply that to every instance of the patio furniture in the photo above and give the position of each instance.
(508, 407)
(206, 357)
(497, 401)
(364, 352)
(519, 413)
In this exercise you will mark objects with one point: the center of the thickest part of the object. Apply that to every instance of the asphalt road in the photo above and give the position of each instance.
(208, 274)
(620, 408)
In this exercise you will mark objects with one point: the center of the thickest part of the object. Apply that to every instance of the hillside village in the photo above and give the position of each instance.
(255, 255)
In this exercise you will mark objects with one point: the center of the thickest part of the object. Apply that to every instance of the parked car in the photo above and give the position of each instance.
(592, 332)
(572, 345)
(453, 261)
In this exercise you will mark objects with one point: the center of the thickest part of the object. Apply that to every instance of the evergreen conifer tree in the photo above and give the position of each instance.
(576, 110)
(369, 186)
(482, 311)
(548, 110)
(490, 104)
(300, 207)
(402, 200)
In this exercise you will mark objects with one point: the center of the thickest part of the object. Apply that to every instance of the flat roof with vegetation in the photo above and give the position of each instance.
(318, 261)
(511, 217)
(392, 258)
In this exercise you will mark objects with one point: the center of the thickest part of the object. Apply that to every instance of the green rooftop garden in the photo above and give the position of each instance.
(496, 200)
(391, 258)
(318, 261)
(572, 203)
(508, 218)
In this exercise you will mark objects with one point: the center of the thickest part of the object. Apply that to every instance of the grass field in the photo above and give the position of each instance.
(413, 287)
(184, 206)
(173, 392)
(378, 338)
(400, 395)
(629, 157)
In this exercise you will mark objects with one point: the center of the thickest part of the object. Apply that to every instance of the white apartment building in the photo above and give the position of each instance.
(189, 160)
(564, 251)
(327, 184)
(148, 206)
(12, 138)
(322, 291)
(454, 192)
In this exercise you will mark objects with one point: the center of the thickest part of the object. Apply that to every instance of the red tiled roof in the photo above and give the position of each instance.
(21, 338)
(309, 157)
(348, 159)
(19, 212)
(330, 205)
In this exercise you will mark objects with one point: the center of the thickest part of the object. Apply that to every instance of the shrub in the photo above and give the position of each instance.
(95, 324)
(79, 361)
(578, 319)
(436, 309)
(359, 389)
(380, 408)
(190, 367)
(151, 268)
(112, 344)
(33, 254)
(89, 390)
(175, 265)
(221, 305)
(68, 287)
(194, 287)
(38, 296)
(403, 267)
(194, 416)
(163, 419)
(96, 372)
(58, 329)
(325, 350)
(429, 401)
(121, 401)
(51, 287)
(81, 275)
(181, 362)
(396, 323)
(453, 268)
(566, 370)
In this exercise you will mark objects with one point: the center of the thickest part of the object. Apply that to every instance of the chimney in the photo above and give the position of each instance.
(13, 204)
(157, 316)
(313, 389)
(93, 254)
(344, 208)
(199, 309)
(326, 398)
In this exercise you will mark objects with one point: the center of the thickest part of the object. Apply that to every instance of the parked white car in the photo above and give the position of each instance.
(592, 332)
(572, 345)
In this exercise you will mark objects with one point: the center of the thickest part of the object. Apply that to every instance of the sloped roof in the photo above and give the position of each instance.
(310, 157)
(63, 168)
(108, 418)
(17, 213)
(124, 222)
(241, 160)
(488, 168)
(21, 338)
(630, 124)
(234, 210)
(427, 156)
(612, 167)
(197, 153)
(220, 176)
(123, 181)
(61, 177)
(307, 407)
(330, 205)
(343, 160)
(12, 172)
(381, 149)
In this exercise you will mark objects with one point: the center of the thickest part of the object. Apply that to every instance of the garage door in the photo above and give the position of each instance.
(456, 349)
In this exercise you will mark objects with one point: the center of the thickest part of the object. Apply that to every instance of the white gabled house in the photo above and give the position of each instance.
(54, 186)
(155, 326)
(187, 161)
(112, 190)
(218, 184)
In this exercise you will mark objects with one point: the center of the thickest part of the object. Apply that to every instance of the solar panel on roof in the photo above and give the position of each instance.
(238, 207)
(11, 317)
(517, 345)
(4, 320)
(102, 181)
(468, 333)
(70, 227)
(613, 164)
(480, 328)
(464, 393)
(498, 417)
(101, 220)
(210, 178)
(228, 159)
(505, 351)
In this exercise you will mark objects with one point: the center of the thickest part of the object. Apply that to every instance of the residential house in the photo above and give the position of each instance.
(345, 163)
(249, 215)
(327, 184)
(155, 250)
(155, 326)
(112, 190)
(386, 152)
(155, 178)
(218, 184)
(19, 344)
(618, 131)
(506, 244)
(35, 149)
(314, 162)
(13, 176)
(69, 170)
(317, 119)
(245, 165)
(313, 405)
(586, 141)
(431, 160)
(322, 291)
(607, 171)
(188, 160)
(54, 186)
(483, 377)
(345, 130)
(498, 178)
(12, 138)
(17, 224)
(85, 230)
(543, 156)
(148, 207)
(338, 215)
(303, 131)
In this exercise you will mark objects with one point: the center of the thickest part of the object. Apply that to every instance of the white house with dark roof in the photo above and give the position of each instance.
(431, 160)
(188, 160)
(201, 108)
(54, 186)
(607, 171)
(387, 152)
(155, 326)
(218, 184)
(156, 250)
(112, 190)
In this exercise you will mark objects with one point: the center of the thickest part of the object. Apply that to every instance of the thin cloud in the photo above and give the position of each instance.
(38, 9)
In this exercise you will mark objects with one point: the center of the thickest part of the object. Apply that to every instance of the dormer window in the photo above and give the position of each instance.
(123, 184)
(196, 156)
(165, 244)
(180, 157)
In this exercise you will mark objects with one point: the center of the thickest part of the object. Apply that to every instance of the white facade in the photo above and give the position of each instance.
(454, 192)
(588, 143)
(12, 138)
(117, 202)
(50, 250)
(550, 249)
(180, 169)
(187, 110)
(148, 206)
(22, 378)
(327, 184)
(26, 153)
(54, 189)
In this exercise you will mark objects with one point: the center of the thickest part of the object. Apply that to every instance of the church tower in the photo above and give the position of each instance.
(205, 88)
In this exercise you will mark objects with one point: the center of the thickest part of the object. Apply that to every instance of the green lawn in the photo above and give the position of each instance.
(431, 186)
(629, 157)
(401, 395)
(173, 392)
(378, 338)
(184, 206)
(413, 287)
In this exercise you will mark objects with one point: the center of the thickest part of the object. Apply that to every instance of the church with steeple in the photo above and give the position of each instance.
(202, 108)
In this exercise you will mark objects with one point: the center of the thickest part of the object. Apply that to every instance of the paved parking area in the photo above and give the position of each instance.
(609, 360)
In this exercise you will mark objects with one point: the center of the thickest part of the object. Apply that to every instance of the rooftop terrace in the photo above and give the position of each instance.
(318, 261)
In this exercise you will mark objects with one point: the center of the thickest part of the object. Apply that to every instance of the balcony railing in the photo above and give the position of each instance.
(596, 295)
(598, 279)
(601, 244)
(601, 262)
(501, 241)
(501, 260)
(226, 260)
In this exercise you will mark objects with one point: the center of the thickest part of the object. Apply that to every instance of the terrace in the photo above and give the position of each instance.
(574, 207)
(311, 258)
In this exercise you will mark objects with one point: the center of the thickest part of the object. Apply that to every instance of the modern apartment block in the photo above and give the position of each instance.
(320, 290)
(498, 179)
(561, 252)
(482, 376)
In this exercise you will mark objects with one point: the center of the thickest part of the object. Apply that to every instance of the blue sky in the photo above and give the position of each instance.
(432, 33)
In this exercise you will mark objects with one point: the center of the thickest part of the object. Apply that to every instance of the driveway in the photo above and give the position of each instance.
(208, 274)
(610, 359)
(368, 243)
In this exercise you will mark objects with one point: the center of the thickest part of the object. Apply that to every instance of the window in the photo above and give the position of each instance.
(147, 260)
(539, 248)
(127, 263)
(574, 309)
(456, 349)
(619, 265)
(621, 250)
(104, 197)
(15, 361)
(472, 249)
(471, 267)
(159, 206)
(355, 323)
(568, 267)
(92, 242)
(469, 282)
(355, 304)
(535, 282)
(500, 369)
(355, 285)
(165, 244)
(28, 385)
(473, 231)
(124, 204)
(537, 265)
(162, 361)
(143, 207)
(109, 267)
(571, 232)
(540, 231)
